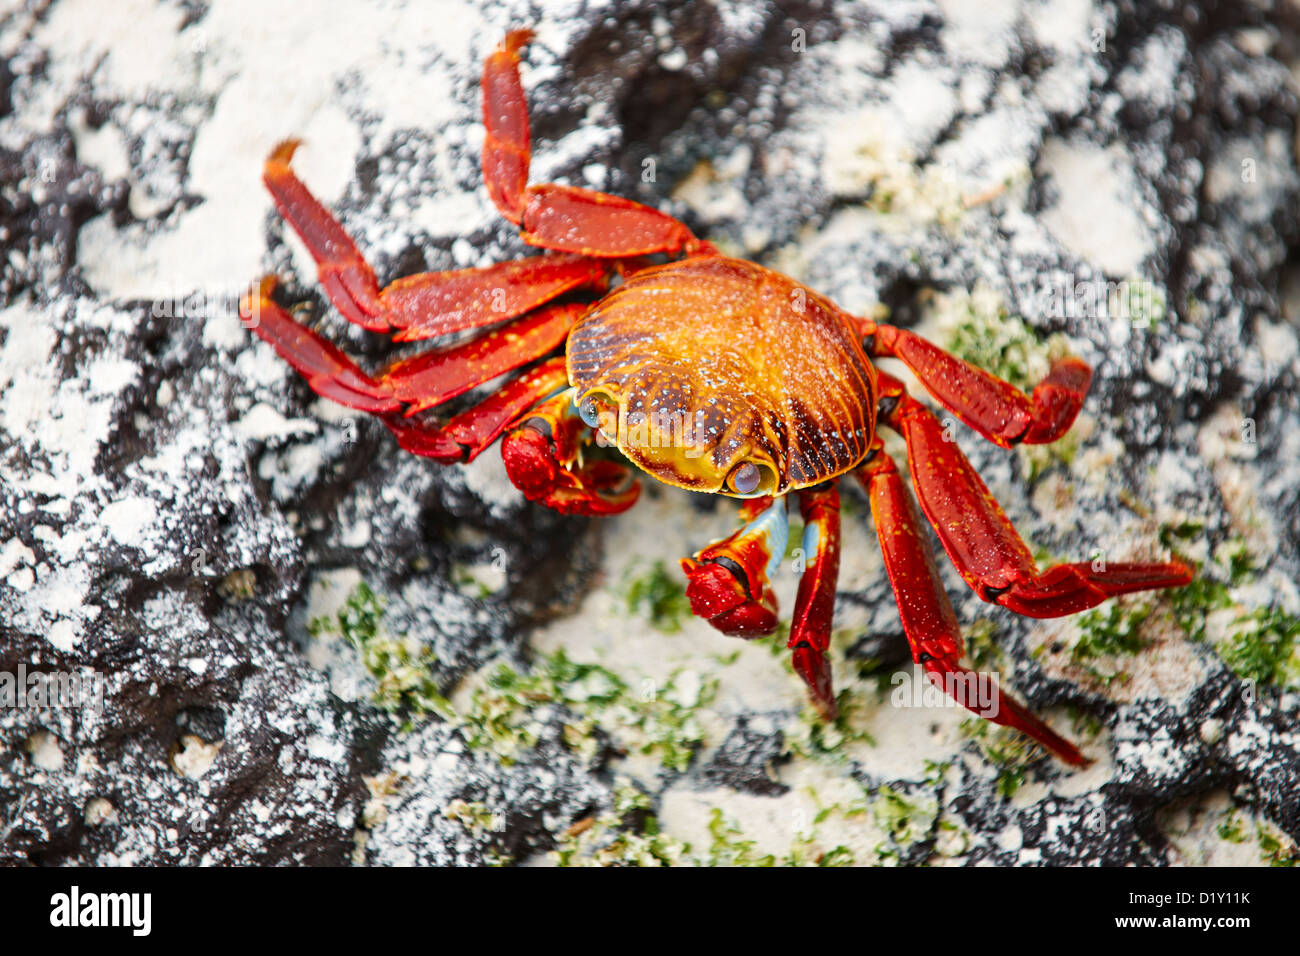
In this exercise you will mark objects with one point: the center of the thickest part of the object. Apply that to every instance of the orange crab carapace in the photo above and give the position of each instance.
(708, 373)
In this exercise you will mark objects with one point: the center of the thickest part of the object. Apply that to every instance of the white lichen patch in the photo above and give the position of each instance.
(714, 189)
(263, 422)
(128, 519)
(486, 477)
(100, 812)
(483, 579)
(1252, 173)
(908, 729)
(293, 76)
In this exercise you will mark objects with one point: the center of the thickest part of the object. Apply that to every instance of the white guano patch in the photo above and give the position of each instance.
(128, 518)
(1099, 215)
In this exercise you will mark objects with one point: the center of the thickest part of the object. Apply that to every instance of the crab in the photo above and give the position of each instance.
(706, 372)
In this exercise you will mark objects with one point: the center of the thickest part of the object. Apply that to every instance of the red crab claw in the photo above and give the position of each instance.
(542, 455)
(727, 582)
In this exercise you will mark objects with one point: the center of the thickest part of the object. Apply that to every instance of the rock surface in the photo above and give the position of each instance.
(315, 648)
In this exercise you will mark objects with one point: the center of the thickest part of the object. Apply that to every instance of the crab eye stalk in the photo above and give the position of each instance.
(745, 478)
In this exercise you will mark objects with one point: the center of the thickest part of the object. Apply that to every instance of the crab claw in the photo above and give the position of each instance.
(728, 582)
(541, 456)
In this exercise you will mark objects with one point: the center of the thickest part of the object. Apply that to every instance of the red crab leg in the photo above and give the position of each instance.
(463, 437)
(992, 558)
(507, 149)
(551, 216)
(728, 583)
(926, 613)
(328, 371)
(420, 382)
(543, 458)
(814, 607)
(433, 377)
(435, 303)
(425, 305)
(348, 280)
(996, 409)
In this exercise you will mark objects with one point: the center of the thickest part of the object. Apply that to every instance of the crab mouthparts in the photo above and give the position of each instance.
(676, 445)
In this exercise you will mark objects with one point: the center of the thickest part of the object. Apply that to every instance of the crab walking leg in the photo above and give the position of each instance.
(433, 377)
(814, 607)
(348, 280)
(464, 437)
(729, 582)
(435, 303)
(543, 458)
(551, 216)
(431, 303)
(926, 613)
(413, 384)
(328, 371)
(507, 146)
(996, 409)
(988, 552)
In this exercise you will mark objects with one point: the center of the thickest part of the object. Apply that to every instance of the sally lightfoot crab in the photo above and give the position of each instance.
(709, 373)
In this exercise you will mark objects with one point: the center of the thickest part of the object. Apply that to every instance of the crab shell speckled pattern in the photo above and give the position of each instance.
(762, 368)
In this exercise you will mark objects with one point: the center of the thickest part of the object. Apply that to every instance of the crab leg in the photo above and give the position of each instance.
(463, 437)
(926, 613)
(814, 607)
(433, 377)
(729, 582)
(543, 457)
(992, 558)
(507, 146)
(425, 305)
(540, 454)
(996, 409)
(328, 371)
(551, 216)
(417, 383)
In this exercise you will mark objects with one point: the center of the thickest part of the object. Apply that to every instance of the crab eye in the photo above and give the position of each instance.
(745, 478)
(589, 410)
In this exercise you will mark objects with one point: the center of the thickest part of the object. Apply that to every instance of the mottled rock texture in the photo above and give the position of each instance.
(180, 516)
